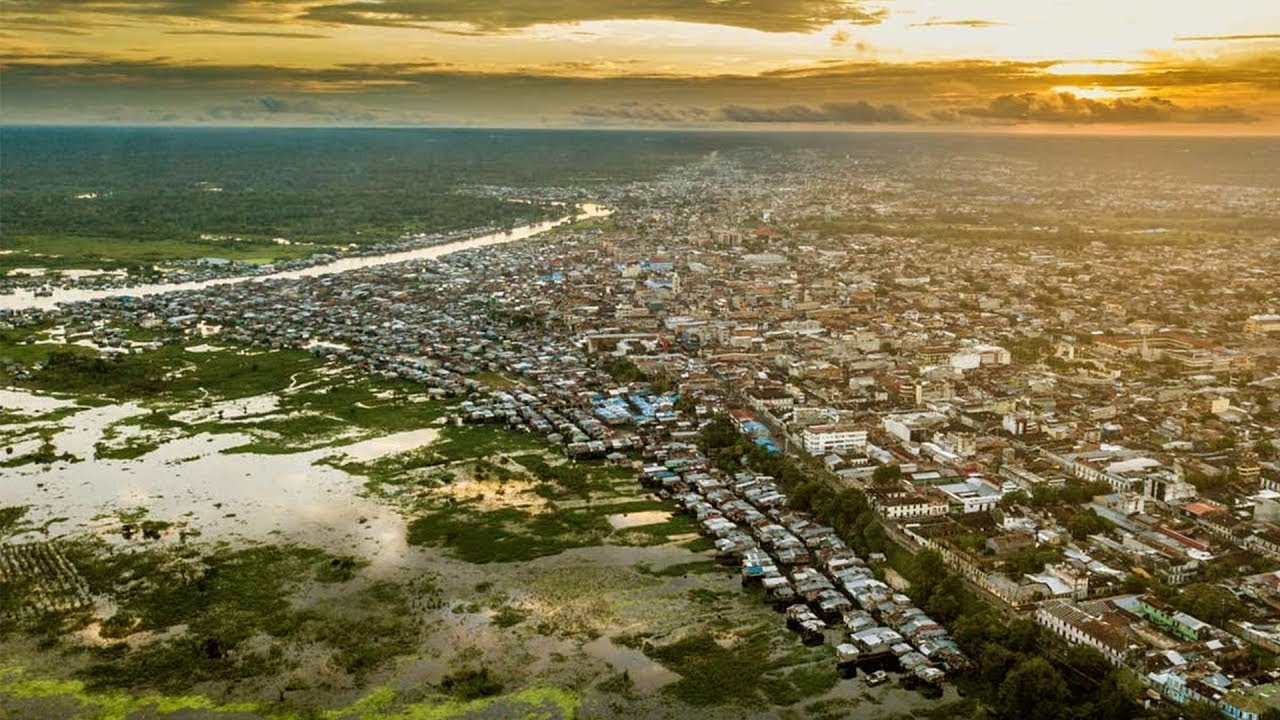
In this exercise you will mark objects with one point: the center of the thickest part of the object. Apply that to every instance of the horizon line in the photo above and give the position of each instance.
(1071, 130)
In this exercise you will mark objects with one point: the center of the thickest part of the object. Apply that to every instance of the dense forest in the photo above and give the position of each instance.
(129, 194)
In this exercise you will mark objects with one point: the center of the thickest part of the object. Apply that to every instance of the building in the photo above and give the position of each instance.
(905, 504)
(980, 355)
(770, 399)
(1174, 622)
(972, 495)
(1071, 623)
(1262, 324)
(1029, 481)
(1252, 703)
(914, 426)
(823, 439)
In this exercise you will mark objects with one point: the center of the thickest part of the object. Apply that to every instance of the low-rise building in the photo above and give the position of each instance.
(822, 439)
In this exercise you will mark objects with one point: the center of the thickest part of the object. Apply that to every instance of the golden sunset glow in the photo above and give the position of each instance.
(1091, 68)
(1184, 66)
(1095, 92)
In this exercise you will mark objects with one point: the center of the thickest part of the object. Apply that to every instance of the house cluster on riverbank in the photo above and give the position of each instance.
(828, 593)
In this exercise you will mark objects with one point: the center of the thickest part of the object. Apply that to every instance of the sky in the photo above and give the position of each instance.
(1106, 66)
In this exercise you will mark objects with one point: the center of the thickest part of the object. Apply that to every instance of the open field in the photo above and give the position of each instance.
(57, 252)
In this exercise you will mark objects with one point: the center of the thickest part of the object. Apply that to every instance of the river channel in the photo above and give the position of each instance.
(28, 300)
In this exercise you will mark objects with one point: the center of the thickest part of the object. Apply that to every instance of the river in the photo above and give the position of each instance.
(28, 300)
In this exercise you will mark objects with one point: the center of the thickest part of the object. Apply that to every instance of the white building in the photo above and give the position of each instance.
(1262, 324)
(1077, 627)
(903, 505)
(823, 439)
(979, 355)
(912, 426)
(972, 495)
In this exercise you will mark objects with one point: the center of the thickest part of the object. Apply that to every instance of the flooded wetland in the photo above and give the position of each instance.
(268, 533)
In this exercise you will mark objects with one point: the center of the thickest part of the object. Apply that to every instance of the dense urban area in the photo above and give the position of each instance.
(809, 427)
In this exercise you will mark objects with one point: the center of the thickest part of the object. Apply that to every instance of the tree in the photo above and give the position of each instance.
(927, 569)
(624, 370)
(944, 604)
(874, 536)
(1087, 660)
(1022, 635)
(719, 433)
(1031, 560)
(1016, 497)
(1086, 522)
(886, 474)
(1033, 689)
(1210, 603)
(1118, 696)
(686, 403)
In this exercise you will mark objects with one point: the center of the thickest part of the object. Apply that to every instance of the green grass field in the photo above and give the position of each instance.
(108, 253)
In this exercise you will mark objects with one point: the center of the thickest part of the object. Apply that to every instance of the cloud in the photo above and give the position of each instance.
(876, 71)
(1198, 38)
(273, 107)
(478, 16)
(43, 84)
(957, 23)
(40, 24)
(251, 33)
(1067, 108)
(632, 111)
(835, 112)
(505, 15)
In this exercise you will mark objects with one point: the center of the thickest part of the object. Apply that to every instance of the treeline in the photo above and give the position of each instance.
(1018, 671)
(321, 186)
(365, 215)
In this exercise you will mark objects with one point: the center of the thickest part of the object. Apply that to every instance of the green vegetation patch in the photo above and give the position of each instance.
(379, 704)
(506, 534)
(234, 616)
(170, 370)
(94, 251)
(11, 519)
(742, 671)
(132, 449)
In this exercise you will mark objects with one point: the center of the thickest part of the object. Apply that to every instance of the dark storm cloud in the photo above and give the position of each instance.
(1068, 108)
(836, 112)
(482, 16)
